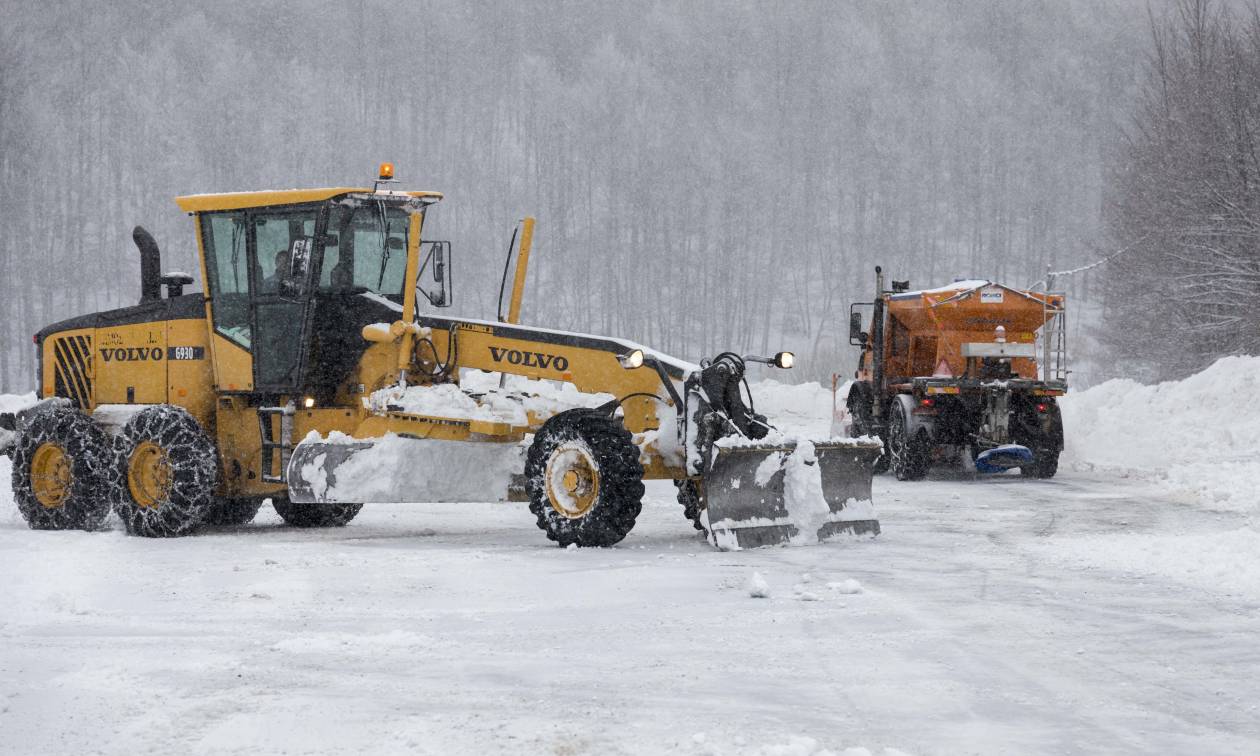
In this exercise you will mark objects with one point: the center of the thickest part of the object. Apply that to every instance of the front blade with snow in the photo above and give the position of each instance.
(401, 469)
(768, 494)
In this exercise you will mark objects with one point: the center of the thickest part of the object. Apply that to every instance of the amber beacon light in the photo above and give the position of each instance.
(387, 171)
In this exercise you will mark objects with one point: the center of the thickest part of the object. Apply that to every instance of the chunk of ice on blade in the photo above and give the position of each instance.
(757, 586)
(768, 467)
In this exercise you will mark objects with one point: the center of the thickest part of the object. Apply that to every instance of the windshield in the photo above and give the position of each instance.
(366, 248)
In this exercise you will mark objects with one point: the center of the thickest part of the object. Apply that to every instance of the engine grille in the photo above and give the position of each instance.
(72, 372)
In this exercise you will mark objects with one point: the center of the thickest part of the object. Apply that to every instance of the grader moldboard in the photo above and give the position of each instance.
(304, 374)
(972, 366)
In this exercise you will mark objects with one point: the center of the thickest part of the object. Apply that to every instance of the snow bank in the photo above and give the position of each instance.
(802, 409)
(16, 402)
(1198, 437)
(8, 508)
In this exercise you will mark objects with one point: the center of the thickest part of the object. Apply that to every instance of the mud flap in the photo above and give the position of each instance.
(402, 470)
(1003, 458)
(802, 493)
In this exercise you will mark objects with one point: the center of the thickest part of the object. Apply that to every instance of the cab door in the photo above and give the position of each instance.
(280, 301)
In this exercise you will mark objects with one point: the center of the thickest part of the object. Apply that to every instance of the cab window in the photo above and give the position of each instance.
(227, 266)
(366, 250)
(274, 234)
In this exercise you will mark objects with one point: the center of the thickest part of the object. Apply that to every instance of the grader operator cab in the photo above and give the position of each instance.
(972, 366)
(306, 374)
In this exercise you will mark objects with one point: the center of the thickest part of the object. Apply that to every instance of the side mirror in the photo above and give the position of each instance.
(439, 257)
(858, 337)
(294, 280)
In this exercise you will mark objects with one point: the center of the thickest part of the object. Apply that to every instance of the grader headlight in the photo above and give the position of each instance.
(631, 359)
(784, 360)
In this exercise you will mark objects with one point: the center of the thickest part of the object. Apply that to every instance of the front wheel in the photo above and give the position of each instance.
(861, 406)
(909, 456)
(584, 479)
(691, 501)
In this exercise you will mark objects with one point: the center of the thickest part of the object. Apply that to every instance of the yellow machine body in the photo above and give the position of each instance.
(309, 327)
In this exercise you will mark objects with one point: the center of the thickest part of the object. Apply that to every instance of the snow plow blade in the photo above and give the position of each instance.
(802, 493)
(399, 469)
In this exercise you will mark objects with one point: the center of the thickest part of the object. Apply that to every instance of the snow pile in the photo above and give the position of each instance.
(12, 403)
(446, 400)
(803, 493)
(847, 586)
(757, 586)
(398, 469)
(803, 409)
(1219, 562)
(803, 745)
(479, 397)
(1199, 437)
(16, 402)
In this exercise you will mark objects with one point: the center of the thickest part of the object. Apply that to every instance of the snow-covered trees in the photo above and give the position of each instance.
(706, 175)
(1184, 194)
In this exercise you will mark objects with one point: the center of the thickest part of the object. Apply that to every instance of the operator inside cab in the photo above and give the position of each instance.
(274, 283)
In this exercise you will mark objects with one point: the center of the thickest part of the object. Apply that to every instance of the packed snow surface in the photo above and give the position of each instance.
(1106, 610)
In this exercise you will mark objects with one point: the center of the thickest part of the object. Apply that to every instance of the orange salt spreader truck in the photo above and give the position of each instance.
(973, 366)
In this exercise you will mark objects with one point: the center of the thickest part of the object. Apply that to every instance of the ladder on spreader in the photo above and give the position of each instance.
(1053, 337)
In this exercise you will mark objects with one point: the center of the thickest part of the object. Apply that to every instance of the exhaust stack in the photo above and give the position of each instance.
(150, 265)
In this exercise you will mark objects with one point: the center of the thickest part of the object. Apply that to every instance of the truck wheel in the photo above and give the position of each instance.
(1045, 464)
(908, 457)
(861, 406)
(584, 479)
(63, 473)
(689, 497)
(168, 467)
(233, 511)
(326, 515)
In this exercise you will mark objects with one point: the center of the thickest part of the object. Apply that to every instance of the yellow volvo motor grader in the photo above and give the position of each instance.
(304, 373)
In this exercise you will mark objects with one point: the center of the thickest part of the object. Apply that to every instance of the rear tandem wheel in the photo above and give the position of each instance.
(168, 468)
(63, 476)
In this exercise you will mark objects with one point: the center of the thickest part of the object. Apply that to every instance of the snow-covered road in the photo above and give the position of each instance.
(995, 616)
